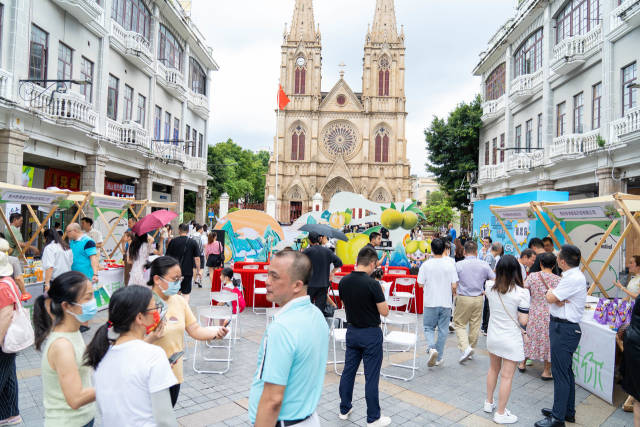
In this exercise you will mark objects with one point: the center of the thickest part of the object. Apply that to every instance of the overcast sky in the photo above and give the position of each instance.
(443, 40)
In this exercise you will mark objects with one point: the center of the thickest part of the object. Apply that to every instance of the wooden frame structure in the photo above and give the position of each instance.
(615, 208)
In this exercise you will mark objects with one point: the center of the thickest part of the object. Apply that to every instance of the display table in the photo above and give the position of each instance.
(109, 281)
(242, 264)
(594, 359)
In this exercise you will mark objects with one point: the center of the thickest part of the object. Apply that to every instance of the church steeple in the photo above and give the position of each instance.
(303, 24)
(384, 23)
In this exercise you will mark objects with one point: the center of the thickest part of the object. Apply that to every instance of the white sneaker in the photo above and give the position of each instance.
(382, 421)
(345, 416)
(489, 407)
(439, 362)
(506, 418)
(433, 355)
(466, 355)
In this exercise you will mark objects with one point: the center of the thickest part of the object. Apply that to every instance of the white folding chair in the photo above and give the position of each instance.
(251, 267)
(209, 316)
(406, 282)
(406, 339)
(333, 290)
(229, 298)
(394, 302)
(339, 335)
(262, 290)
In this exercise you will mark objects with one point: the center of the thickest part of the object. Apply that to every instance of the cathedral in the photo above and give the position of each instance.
(339, 140)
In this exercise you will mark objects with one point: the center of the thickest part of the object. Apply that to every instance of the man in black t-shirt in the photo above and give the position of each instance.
(364, 302)
(186, 251)
(321, 260)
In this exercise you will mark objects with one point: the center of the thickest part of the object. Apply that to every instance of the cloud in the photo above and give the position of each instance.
(443, 40)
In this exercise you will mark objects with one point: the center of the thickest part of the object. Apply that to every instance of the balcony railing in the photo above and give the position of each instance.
(198, 103)
(572, 52)
(525, 86)
(129, 133)
(168, 151)
(5, 84)
(574, 145)
(172, 80)
(523, 161)
(627, 12)
(624, 126)
(67, 109)
(196, 163)
(132, 44)
(492, 172)
(85, 11)
(492, 109)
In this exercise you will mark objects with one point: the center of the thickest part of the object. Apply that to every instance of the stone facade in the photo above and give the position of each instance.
(340, 140)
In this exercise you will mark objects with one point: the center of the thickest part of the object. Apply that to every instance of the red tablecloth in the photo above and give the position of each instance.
(247, 284)
(215, 280)
(347, 268)
(241, 264)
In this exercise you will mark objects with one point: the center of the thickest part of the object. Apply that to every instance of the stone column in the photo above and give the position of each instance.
(201, 204)
(177, 196)
(606, 184)
(224, 205)
(271, 206)
(317, 202)
(547, 94)
(547, 185)
(92, 178)
(11, 149)
(144, 188)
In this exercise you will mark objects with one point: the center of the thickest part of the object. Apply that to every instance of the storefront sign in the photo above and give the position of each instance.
(117, 189)
(62, 179)
(27, 197)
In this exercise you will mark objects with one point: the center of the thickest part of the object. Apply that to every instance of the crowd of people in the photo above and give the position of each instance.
(529, 307)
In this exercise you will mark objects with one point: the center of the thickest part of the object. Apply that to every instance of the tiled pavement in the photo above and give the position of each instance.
(451, 394)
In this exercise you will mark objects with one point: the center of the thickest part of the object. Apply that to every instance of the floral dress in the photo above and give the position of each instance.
(538, 347)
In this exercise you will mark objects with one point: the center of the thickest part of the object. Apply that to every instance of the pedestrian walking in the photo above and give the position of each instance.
(539, 283)
(9, 303)
(451, 232)
(140, 249)
(292, 357)
(439, 279)
(509, 302)
(566, 307)
(57, 257)
(186, 251)
(321, 258)
(214, 253)
(472, 273)
(201, 241)
(364, 303)
(496, 251)
(132, 377)
(68, 394)
(165, 278)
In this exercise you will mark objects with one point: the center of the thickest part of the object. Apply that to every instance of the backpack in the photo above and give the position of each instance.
(20, 334)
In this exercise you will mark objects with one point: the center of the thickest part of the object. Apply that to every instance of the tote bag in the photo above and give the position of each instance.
(20, 333)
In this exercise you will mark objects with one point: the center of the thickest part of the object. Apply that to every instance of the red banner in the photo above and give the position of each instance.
(62, 179)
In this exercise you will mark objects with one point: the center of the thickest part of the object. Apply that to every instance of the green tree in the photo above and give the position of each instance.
(437, 210)
(453, 147)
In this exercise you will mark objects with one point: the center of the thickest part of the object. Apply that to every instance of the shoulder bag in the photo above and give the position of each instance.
(525, 337)
(20, 333)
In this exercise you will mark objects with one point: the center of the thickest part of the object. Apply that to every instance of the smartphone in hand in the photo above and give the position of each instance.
(175, 356)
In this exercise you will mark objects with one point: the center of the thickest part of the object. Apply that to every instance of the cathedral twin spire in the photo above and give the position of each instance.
(303, 24)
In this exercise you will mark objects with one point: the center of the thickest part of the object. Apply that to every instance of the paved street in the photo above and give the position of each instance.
(448, 395)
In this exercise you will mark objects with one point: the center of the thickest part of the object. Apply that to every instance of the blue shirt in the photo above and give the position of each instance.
(293, 353)
(453, 234)
(82, 249)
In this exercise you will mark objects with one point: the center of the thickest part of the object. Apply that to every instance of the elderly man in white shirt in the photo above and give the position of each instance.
(567, 302)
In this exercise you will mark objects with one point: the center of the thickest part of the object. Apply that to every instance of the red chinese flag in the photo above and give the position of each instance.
(283, 99)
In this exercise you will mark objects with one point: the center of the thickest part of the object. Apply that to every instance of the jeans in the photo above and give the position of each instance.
(564, 339)
(8, 386)
(436, 316)
(362, 344)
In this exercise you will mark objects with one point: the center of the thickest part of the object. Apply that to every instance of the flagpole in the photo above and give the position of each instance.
(277, 150)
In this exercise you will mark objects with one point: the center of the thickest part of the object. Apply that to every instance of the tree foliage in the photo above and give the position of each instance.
(437, 210)
(453, 147)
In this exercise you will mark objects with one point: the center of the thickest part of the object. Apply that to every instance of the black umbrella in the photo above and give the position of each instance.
(325, 230)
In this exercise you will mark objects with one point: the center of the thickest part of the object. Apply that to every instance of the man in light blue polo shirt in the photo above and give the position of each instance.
(85, 253)
(292, 358)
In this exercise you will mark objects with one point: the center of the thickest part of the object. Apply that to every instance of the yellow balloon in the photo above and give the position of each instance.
(348, 251)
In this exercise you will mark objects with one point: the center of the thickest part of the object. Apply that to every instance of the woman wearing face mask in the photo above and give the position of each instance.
(165, 278)
(66, 383)
(132, 377)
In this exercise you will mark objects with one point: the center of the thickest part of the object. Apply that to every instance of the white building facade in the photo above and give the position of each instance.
(560, 112)
(133, 122)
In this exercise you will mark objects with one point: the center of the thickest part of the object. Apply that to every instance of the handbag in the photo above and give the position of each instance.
(544, 282)
(20, 333)
(523, 332)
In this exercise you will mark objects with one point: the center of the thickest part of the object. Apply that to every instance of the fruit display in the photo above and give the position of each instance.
(340, 219)
(348, 251)
(407, 218)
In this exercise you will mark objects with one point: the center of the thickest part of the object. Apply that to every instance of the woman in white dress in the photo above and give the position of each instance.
(140, 249)
(57, 258)
(509, 305)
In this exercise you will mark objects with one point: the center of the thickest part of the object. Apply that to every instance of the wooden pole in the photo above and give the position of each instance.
(33, 237)
(627, 212)
(602, 240)
(111, 230)
(504, 227)
(136, 215)
(75, 217)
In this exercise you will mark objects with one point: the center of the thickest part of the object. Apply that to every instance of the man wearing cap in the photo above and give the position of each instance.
(321, 259)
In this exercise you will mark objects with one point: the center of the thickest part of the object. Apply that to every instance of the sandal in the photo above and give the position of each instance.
(543, 378)
(523, 370)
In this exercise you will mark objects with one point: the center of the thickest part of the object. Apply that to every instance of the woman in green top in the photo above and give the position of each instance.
(67, 392)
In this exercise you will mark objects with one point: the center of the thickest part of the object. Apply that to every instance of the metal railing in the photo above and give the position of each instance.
(62, 106)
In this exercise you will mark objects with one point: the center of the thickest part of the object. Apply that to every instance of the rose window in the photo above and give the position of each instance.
(340, 140)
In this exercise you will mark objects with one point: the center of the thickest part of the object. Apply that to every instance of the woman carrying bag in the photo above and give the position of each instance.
(214, 253)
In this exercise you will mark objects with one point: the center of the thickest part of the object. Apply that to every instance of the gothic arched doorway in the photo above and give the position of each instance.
(336, 185)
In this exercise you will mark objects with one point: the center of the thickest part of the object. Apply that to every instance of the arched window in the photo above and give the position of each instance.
(197, 77)
(577, 17)
(494, 85)
(383, 77)
(382, 145)
(529, 56)
(170, 52)
(301, 74)
(297, 143)
(132, 15)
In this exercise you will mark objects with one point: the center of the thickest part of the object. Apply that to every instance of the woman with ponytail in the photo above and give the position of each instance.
(165, 279)
(132, 377)
(66, 383)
